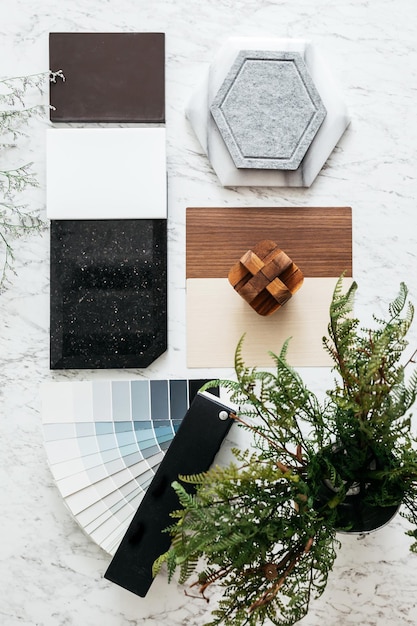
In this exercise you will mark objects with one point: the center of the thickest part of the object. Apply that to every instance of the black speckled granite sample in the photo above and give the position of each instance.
(108, 293)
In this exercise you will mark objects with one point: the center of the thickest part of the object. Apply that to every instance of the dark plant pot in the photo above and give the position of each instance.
(356, 516)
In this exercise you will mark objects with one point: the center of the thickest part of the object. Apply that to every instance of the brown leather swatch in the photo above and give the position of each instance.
(109, 77)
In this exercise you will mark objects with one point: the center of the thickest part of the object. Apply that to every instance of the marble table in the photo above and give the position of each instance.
(51, 574)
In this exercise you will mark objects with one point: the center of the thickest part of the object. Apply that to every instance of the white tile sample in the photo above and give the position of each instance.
(106, 173)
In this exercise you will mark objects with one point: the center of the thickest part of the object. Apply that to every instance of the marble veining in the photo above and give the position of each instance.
(51, 574)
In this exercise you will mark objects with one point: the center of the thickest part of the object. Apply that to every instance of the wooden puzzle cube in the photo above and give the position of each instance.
(265, 277)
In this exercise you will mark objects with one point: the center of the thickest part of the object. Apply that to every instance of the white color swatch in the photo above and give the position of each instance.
(106, 173)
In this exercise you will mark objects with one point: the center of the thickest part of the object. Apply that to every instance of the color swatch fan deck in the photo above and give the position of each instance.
(105, 440)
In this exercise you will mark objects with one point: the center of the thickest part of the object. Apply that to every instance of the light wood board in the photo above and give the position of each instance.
(217, 317)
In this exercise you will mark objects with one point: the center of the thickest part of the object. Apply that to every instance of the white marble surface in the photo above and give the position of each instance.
(50, 573)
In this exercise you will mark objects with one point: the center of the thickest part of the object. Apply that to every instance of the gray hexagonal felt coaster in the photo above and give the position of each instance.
(268, 110)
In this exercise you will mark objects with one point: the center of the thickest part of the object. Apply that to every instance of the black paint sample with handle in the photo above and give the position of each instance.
(192, 450)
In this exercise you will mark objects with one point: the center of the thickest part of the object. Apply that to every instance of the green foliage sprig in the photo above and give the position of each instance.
(265, 525)
(16, 219)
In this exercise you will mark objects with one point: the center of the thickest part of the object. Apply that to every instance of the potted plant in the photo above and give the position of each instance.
(266, 524)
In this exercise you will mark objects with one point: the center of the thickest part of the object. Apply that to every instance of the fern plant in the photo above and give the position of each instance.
(264, 527)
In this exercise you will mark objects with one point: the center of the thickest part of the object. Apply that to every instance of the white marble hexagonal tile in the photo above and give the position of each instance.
(323, 143)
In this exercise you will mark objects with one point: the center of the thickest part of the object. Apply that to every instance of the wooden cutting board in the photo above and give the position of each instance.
(317, 239)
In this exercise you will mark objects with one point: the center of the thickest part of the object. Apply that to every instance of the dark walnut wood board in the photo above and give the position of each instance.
(317, 239)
